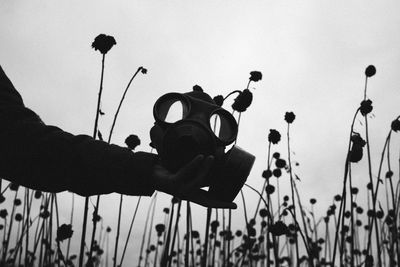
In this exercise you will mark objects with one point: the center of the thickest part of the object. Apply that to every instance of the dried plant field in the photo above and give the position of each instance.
(281, 230)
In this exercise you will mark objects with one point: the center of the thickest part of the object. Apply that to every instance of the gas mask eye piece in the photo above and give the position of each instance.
(171, 108)
(224, 126)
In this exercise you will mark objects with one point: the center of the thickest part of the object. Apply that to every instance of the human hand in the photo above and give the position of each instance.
(186, 182)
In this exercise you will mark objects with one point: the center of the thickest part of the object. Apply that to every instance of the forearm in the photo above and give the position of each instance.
(46, 158)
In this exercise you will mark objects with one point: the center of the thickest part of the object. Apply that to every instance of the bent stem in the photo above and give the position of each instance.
(120, 103)
(96, 209)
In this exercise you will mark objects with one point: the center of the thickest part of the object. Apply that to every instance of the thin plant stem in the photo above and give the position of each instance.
(174, 236)
(347, 162)
(374, 196)
(86, 208)
(96, 209)
(71, 220)
(27, 222)
(191, 231)
(165, 255)
(60, 255)
(265, 182)
(150, 231)
(9, 228)
(395, 244)
(205, 252)
(292, 191)
(351, 218)
(120, 104)
(129, 232)
(118, 230)
(145, 229)
(188, 235)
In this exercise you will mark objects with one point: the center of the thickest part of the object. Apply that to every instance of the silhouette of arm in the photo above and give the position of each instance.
(47, 158)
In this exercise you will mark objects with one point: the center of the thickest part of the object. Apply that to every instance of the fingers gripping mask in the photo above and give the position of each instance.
(190, 124)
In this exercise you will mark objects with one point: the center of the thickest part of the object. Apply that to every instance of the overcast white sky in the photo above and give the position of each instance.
(312, 55)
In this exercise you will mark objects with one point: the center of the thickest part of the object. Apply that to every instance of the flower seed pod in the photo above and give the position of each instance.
(370, 71)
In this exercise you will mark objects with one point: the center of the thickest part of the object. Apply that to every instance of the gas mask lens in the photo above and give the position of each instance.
(224, 126)
(171, 108)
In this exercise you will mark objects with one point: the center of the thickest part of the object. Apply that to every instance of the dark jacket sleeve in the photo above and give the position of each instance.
(47, 158)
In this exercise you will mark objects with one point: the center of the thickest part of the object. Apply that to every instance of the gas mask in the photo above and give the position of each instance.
(200, 127)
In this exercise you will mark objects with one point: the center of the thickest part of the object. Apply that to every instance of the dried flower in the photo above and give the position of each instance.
(18, 217)
(132, 141)
(243, 101)
(313, 201)
(175, 200)
(38, 194)
(263, 213)
(95, 216)
(108, 229)
(274, 136)
(197, 88)
(356, 152)
(214, 226)
(270, 189)
(380, 214)
(160, 228)
(357, 139)
(354, 190)
(279, 228)
(370, 71)
(289, 117)
(267, 174)
(143, 70)
(64, 232)
(44, 214)
(195, 234)
(255, 76)
(3, 213)
(396, 125)
(389, 174)
(280, 163)
(14, 186)
(103, 43)
(238, 233)
(17, 202)
(219, 100)
(366, 107)
(276, 155)
(277, 173)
